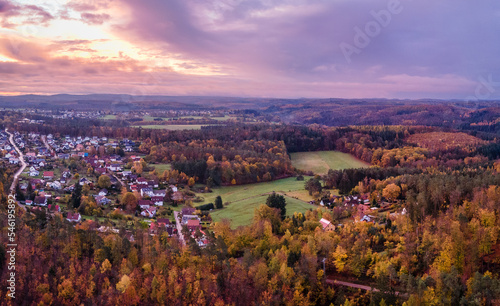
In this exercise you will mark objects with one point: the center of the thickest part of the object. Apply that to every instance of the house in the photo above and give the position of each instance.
(147, 192)
(141, 181)
(56, 185)
(48, 175)
(103, 192)
(150, 212)
(29, 202)
(102, 200)
(186, 218)
(84, 181)
(187, 211)
(34, 172)
(115, 167)
(158, 193)
(193, 225)
(173, 188)
(153, 184)
(144, 204)
(164, 222)
(74, 217)
(158, 201)
(327, 225)
(366, 218)
(41, 201)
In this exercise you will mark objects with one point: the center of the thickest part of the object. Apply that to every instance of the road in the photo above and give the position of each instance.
(121, 182)
(179, 228)
(44, 140)
(357, 286)
(21, 159)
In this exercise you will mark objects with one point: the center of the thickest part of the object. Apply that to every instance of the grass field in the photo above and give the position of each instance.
(244, 199)
(225, 118)
(160, 168)
(322, 161)
(109, 117)
(172, 127)
(150, 118)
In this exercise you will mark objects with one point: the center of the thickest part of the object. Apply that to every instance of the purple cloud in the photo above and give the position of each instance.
(300, 40)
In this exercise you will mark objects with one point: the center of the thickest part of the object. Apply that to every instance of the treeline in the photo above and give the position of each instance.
(345, 180)
(384, 146)
(226, 162)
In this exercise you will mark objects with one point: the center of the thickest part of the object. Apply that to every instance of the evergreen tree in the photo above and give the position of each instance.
(277, 201)
(76, 196)
(218, 202)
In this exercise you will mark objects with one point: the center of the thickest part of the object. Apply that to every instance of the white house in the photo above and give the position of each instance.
(56, 185)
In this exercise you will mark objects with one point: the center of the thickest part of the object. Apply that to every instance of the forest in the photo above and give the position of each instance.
(435, 240)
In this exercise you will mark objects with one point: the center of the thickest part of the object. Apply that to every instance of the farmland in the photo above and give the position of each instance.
(243, 200)
(322, 161)
(172, 127)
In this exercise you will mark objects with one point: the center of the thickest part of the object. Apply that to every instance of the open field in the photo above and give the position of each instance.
(109, 117)
(172, 127)
(322, 161)
(242, 212)
(160, 168)
(244, 199)
(225, 118)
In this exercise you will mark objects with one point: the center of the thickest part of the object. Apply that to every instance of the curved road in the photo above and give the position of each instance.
(21, 159)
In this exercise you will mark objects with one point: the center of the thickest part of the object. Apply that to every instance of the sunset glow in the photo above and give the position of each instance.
(290, 48)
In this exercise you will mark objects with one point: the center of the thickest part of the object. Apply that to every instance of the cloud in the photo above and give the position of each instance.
(278, 48)
(90, 18)
(29, 14)
(299, 40)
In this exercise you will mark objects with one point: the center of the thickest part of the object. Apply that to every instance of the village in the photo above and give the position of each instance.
(112, 182)
(56, 167)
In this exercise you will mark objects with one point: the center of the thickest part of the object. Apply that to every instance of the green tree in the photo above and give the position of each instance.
(277, 201)
(313, 185)
(104, 181)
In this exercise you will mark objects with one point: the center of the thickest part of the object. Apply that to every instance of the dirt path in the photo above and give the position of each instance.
(358, 286)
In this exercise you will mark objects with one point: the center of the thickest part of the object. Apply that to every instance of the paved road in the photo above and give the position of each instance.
(44, 140)
(21, 159)
(179, 228)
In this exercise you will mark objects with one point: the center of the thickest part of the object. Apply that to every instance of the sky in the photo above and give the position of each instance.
(444, 49)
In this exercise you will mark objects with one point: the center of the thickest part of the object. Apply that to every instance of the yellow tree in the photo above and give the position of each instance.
(391, 192)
